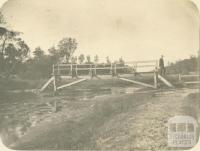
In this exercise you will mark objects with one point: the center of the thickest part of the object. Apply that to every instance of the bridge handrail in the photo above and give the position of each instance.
(148, 61)
(103, 66)
(125, 63)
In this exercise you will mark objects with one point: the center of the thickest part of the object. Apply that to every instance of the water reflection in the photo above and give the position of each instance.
(126, 90)
(85, 94)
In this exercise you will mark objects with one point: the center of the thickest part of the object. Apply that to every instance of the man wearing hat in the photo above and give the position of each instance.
(162, 66)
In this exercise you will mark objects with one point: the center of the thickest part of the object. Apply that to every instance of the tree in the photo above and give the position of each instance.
(38, 68)
(53, 51)
(88, 59)
(81, 58)
(23, 49)
(8, 37)
(9, 41)
(67, 47)
(3, 22)
(54, 54)
(13, 50)
(14, 55)
(184, 66)
(38, 53)
(2, 19)
(96, 59)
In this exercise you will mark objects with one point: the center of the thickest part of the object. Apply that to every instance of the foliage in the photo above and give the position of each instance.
(37, 68)
(2, 19)
(38, 53)
(67, 47)
(88, 59)
(183, 66)
(13, 52)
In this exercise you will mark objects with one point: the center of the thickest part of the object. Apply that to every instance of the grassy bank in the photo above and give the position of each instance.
(9, 84)
(81, 134)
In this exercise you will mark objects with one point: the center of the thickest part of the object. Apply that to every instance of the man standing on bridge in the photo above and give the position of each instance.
(162, 66)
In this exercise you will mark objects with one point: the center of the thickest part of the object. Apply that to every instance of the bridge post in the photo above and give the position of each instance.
(53, 70)
(90, 71)
(111, 69)
(115, 69)
(58, 69)
(156, 78)
(71, 70)
(54, 84)
(76, 71)
(95, 70)
(135, 69)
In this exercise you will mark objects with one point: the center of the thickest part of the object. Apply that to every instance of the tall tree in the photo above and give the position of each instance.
(13, 50)
(88, 59)
(38, 53)
(14, 55)
(67, 47)
(53, 51)
(54, 54)
(2, 19)
(8, 37)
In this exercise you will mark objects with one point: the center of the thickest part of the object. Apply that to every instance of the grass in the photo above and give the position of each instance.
(7, 84)
(76, 135)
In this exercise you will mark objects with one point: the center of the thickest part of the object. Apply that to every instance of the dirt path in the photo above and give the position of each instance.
(124, 122)
(145, 128)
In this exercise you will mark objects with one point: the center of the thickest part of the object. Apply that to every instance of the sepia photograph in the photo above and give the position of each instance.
(100, 75)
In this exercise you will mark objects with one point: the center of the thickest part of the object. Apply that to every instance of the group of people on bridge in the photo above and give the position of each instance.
(113, 72)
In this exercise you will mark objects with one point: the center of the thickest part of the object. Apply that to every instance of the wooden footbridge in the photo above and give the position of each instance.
(121, 71)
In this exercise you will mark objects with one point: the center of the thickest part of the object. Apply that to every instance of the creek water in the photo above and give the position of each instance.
(18, 114)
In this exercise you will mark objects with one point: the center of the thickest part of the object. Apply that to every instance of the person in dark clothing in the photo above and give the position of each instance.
(162, 66)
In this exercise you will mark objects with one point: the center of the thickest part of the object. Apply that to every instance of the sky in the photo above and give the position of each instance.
(133, 29)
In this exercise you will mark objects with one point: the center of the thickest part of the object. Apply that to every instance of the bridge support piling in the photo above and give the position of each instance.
(54, 84)
(137, 82)
(155, 79)
(165, 81)
(70, 84)
(46, 84)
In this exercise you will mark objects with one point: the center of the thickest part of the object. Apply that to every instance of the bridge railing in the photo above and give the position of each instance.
(103, 68)
(189, 79)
